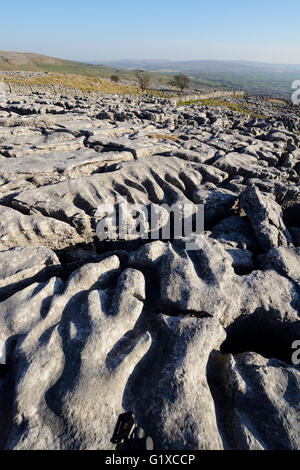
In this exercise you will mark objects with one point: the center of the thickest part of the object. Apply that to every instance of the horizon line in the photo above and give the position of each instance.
(89, 61)
(188, 60)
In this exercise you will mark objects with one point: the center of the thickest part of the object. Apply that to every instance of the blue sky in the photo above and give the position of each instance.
(264, 30)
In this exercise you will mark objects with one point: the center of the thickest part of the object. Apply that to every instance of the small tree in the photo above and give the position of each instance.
(181, 81)
(115, 78)
(143, 79)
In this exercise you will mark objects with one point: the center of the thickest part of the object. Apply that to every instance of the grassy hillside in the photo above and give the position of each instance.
(254, 78)
(74, 81)
(17, 61)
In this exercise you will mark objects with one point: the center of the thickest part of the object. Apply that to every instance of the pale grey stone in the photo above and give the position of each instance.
(171, 382)
(22, 266)
(266, 219)
(256, 403)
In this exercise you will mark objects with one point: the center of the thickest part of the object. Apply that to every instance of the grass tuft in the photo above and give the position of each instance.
(276, 101)
(225, 104)
(174, 138)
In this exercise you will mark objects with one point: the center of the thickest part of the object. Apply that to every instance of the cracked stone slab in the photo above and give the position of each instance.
(17, 229)
(255, 397)
(266, 219)
(180, 404)
(164, 180)
(247, 165)
(50, 168)
(74, 354)
(22, 266)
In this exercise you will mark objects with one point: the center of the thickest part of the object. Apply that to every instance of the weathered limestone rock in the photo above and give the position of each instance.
(265, 216)
(43, 147)
(286, 260)
(48, 169)
(17, 229)
(256, 396)
(163, 180)
(201, 282)
(197, 342)
(235, 230)
(203, 153)
(148, 255)
(22, 266)
(269, 294)
(175, 404)
(247, 165)
(218, 203)
(85, 351)
(242, 260)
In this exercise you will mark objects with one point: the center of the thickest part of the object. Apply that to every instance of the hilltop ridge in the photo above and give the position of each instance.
(31, 62)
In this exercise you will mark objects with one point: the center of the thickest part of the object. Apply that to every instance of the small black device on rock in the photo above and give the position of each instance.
(129, 436)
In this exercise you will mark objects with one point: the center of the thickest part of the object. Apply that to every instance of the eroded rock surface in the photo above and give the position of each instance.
(197, 342)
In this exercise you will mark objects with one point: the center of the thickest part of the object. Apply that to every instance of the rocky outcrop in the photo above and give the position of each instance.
(22, 266)
(266, 219)
(255, 396)
(195, 338)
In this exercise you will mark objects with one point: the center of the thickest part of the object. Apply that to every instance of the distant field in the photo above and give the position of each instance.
(254, 83)
(254, 78)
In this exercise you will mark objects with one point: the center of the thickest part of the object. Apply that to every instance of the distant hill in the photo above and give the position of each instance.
(16, 61)
(253, 77)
